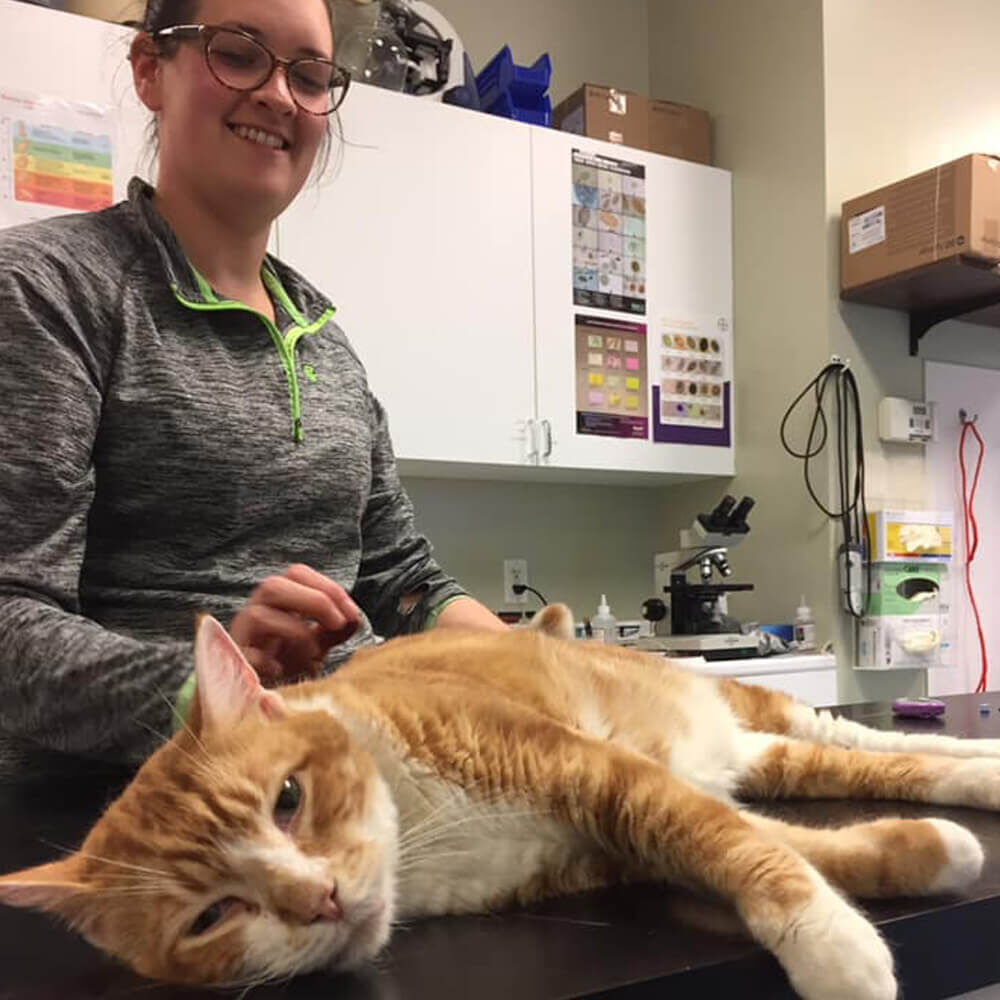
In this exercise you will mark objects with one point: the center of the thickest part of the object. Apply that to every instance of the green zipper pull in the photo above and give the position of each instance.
(299, 434)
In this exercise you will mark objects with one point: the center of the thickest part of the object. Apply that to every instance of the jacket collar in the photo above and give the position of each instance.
(305, 304)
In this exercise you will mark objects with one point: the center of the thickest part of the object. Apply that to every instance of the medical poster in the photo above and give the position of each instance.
(55, 157)
(692, 395)
(609, 234)
(611, 378)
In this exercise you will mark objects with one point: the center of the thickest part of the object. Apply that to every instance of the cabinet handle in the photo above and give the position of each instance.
(531, 429)
(547, 424)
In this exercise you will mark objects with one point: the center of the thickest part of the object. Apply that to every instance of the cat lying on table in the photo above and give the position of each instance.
(455, 772)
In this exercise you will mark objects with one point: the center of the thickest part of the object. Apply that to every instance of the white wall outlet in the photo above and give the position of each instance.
(514, 571)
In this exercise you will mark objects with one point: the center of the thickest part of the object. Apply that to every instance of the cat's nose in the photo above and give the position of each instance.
(325, 905)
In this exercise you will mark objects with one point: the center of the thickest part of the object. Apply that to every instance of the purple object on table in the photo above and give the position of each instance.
(918, 708)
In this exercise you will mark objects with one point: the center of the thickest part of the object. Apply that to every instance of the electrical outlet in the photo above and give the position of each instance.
(514, 571)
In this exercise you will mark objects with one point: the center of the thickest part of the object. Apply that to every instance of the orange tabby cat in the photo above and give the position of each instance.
(456, 772)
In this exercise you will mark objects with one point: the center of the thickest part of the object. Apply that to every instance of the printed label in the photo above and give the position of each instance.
(867, 229)
(618, 103)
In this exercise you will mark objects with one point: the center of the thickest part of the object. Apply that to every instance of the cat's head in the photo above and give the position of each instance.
(258, 843)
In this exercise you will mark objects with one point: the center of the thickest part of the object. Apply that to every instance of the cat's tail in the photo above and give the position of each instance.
(554, 619)
(774, 712)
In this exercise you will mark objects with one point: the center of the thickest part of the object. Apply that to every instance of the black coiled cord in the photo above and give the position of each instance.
(853, 513)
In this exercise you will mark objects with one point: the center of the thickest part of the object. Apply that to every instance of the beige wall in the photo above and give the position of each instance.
(590, 41)
(108, 10)
(757, 67)
(902, 95)
(579, 541)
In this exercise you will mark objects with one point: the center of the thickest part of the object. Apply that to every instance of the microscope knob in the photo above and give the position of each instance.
(654, 610)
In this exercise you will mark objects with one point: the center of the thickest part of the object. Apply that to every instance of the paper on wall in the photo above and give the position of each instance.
(56, 156)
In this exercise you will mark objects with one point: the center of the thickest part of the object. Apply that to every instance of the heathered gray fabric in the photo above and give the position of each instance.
(148, 471)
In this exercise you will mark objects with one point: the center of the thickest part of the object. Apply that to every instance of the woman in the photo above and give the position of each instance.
(183, 418)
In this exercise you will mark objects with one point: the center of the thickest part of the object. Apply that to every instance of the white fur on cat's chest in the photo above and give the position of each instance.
(457, 852)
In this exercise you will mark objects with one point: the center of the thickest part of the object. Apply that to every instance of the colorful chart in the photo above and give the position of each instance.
(54, 166)
(611, 378)
(56, 156)
(692, 394)
(609, 234)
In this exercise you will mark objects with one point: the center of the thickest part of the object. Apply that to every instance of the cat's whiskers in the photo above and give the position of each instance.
(107, 861)
(184, 723)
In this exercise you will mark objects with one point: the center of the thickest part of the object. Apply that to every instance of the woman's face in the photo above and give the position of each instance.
(201, 148)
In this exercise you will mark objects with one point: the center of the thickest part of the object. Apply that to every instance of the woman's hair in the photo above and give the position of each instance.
(161, 14)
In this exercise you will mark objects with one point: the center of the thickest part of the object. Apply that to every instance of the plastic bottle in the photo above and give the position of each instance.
(603, 624)
(805, 627)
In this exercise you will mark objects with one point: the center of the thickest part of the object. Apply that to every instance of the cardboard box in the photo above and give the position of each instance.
(635, 120)
(681, 131)
(940, 214)
(911, 535)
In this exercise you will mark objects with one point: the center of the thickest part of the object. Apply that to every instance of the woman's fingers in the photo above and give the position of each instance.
(329, 604)
(257, 624)
(269, 669)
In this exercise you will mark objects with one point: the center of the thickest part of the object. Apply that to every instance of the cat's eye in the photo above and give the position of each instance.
(289, 800)
(213, 915)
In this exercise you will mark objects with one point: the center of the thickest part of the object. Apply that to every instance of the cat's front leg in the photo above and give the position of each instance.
(637, 810)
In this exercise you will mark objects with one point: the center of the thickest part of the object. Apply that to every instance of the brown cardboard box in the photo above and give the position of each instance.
(681, 131)
(950, 211)
(635, 120)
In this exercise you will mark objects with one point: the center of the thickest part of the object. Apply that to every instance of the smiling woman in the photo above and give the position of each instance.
(204, 423)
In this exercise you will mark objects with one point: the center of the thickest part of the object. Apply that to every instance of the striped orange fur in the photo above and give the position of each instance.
(459, 772)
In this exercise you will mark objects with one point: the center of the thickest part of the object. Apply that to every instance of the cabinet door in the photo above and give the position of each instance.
(635, 377)
(422, 238)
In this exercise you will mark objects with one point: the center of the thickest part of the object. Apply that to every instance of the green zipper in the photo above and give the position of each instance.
(285, 344)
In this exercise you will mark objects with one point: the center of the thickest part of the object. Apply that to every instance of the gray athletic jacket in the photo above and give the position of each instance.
(161, 451)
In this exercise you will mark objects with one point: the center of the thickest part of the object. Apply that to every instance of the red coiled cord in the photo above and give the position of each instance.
(971, 528)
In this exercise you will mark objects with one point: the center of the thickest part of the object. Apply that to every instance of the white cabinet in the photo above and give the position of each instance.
(423, 240)
(684, 262)
(448, 238)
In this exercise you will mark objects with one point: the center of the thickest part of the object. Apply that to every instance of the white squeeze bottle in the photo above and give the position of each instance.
(805, 627)
(603, 624)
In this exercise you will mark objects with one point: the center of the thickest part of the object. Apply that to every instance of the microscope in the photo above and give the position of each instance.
(696, 622)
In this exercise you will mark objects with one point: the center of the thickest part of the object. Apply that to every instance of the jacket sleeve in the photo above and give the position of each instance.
(396, 561)
(65, 682)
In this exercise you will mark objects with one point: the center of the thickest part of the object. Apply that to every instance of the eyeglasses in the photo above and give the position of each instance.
(240, 62)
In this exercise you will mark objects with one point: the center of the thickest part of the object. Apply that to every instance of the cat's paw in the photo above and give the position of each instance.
(831, 952)
(965, 857)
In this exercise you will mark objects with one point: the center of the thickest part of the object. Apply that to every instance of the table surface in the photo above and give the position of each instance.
(615, 943)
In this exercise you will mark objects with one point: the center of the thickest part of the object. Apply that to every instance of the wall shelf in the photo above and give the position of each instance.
(959, 287)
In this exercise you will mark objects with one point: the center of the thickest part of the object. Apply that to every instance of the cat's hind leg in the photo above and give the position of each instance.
(769, 711)
(770, 766)
(886, 857)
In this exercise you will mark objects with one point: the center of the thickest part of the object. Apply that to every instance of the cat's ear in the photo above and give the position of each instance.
(554, 619)
(228, 688)
(54, 887)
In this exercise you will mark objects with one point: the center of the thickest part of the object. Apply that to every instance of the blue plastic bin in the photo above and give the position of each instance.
(540, 114)
(525, 85)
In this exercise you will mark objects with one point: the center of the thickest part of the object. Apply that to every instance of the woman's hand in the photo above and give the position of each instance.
(291, 622)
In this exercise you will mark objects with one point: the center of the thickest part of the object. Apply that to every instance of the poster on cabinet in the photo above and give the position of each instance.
(692, 392)
(609, 234)
(611, 378)
(55, 157)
